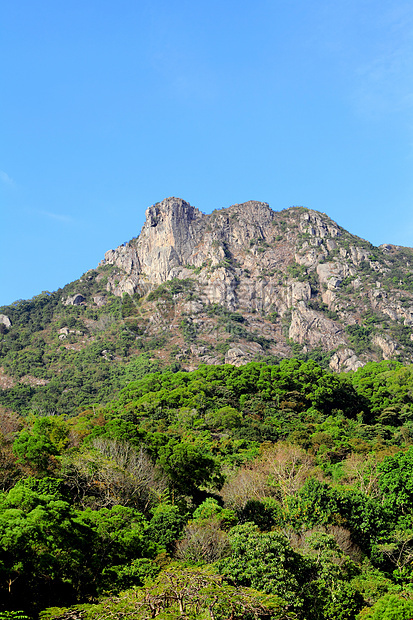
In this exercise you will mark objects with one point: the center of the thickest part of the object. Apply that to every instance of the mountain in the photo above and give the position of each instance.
(242, 283)
(123, 480)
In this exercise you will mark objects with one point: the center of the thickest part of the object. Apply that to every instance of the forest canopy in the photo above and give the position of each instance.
(268, 491)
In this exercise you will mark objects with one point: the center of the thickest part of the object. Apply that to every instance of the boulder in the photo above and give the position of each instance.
(75, 300)
(4, 320)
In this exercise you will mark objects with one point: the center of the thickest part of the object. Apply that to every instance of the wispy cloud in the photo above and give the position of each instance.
(58, 217)
(6, 179)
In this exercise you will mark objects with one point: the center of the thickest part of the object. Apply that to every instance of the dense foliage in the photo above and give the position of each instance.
(282, 491)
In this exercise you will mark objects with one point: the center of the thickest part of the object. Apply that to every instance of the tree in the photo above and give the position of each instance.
(289, 466)
(204, 537)
(45, 438)
(210, 510)
(10, 470)
(41, 558)
(202, 542)
(249, 483)
(363, 472)
(397, 546)
(223, 418)
(264, 561)
(166, 524)
(187, 464)
(182, 593)
(396, 481)
(389, 607)
(329, 594)
(112, 472)
(118, 539)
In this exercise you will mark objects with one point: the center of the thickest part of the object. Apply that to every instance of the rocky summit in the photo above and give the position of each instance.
(257, 282)
(243, 283)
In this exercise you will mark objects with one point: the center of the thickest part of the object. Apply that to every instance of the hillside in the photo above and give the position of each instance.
(244, 283)
(215, 423)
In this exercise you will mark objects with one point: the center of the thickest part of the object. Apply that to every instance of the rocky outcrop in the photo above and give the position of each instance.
(4, 320)
(167, 241)
(318, 225)
(74, 300)
(100, 300)
(388, 347)
(345, 360)
(243, 353)
(240, 284)
(332, 274)
(309, 327)
(64, 332)
(294, 292)
(176, 236)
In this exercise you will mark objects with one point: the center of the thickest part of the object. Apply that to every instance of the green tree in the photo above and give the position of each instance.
(41, 547)
(265, 561)
(166, 525)
(118, 544)
(396, 481)
(389, 607)
(187, 464)
(45, 438)
(182, 592)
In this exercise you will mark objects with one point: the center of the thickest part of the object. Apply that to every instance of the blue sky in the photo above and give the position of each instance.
(108, 107)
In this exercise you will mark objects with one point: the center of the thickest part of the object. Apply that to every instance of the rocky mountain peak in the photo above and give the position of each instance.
(295, 276)
(171, 211)
(176, 234)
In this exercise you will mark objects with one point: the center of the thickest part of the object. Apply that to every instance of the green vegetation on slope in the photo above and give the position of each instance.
(282, 491)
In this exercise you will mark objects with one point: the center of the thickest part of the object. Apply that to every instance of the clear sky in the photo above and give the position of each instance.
(107, 107)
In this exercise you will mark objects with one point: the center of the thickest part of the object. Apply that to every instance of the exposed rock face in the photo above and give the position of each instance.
(176, 236)
(64, 332)
(242, 353)
(4, 320)
(100, 300)
(389, 347)
(308, 327)
(295, 276)
(295, 292)
(332, 274)
(74, 300)
(345, 360)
